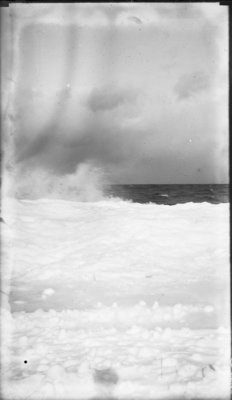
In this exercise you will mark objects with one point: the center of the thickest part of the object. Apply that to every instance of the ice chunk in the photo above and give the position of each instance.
(167, 333)
(70, 363)
(145, 352)
(177, 388)
(48, 292)
(41, 349)
(222, 329)
(104, 336)
(84, 368)
(48, 390)
(155, 305)
(208, 371)
(142, 304)
(56, 372)
(62, 335)
(42, 368)
(105, 376)
(23, 341)
(197, 357)
(208, 309)
(169, 362)
(167, 316)
(187, 371)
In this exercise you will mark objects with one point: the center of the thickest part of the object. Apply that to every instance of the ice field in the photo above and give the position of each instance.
(115, 300)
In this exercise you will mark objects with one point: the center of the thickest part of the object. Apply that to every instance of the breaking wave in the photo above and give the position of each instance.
(86, 184)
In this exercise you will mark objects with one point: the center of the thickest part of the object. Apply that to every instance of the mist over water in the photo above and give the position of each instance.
(91, 183)
(86, 184)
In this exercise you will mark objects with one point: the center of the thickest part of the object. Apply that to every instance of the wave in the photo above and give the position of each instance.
(89, 183)
(86, 184)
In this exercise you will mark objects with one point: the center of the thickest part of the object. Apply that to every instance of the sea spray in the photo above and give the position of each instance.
(87, 183)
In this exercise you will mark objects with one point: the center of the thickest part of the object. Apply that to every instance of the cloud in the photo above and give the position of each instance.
(88, 15)
(68, 115)
(167, 16)
(212, 12)
(155, 150)
(109, 97)
(102, 142)
(191, 84)
(124, 14)
(178, 10)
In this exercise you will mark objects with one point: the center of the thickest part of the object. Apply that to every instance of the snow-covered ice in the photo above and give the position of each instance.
(115, 299)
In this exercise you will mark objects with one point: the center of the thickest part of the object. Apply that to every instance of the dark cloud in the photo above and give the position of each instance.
(132, 154)
(136, 136)
(105, 142)
(109, 97)
(191, 84)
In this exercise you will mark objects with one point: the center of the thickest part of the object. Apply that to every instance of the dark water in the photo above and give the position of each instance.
(171, 194)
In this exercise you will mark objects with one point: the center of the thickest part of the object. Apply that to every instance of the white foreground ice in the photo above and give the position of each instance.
(114, 299)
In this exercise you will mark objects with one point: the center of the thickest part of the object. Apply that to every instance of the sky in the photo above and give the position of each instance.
(139, 89)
